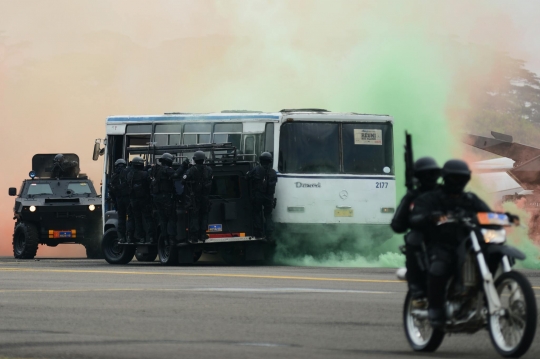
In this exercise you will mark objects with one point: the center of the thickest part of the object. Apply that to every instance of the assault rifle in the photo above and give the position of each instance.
(409, 162)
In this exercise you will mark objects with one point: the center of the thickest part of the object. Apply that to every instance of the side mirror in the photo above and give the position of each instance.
(12, 191)
(97, 150)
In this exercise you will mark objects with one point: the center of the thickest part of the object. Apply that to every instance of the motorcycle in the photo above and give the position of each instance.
(485, 292)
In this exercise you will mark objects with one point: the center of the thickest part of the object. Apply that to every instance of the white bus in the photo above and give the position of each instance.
(336, 170)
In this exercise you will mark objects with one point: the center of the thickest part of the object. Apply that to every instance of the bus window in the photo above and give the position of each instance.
(249, 148)
(168, 134)
(269, 138)
(228, 132)
(195, 133)
(367, 148)
(309, 147)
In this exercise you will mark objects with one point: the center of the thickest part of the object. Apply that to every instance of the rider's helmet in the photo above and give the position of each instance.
(59, 158)
(199, 157)
(427, 171)
(137, 162)
(167, 159)
(456, 174)
(265, 157)
(120, 162)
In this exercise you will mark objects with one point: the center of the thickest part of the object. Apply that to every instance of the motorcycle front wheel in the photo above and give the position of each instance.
(420, 335)
(512, 331)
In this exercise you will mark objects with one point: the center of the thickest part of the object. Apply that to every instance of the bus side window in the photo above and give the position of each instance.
(249, 147)
(269, 138)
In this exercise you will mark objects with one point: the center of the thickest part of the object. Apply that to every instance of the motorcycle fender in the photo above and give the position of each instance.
(506, 250)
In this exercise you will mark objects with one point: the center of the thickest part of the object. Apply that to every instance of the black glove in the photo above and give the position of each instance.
(513, 218)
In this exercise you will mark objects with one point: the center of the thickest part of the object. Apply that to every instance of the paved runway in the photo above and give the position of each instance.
(67, 308)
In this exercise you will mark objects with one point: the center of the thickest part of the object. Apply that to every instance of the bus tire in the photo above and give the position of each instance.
(168, 255)
(112, 251)
(25, 241)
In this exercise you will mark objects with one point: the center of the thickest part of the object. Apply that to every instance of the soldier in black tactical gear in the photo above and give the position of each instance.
(263, 180)
(63, 168)
(139, 194)
(119, 192)
(431, 209)
(198, 183)
(164, 194)
(426, 173)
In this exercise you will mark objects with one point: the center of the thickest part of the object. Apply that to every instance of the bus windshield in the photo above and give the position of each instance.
(332, 147)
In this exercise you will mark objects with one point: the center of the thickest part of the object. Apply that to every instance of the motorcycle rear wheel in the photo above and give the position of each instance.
(420, 335)
(513, 332)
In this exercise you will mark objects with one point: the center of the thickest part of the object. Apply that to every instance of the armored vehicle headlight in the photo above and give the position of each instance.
(32, 208)
(91, 207)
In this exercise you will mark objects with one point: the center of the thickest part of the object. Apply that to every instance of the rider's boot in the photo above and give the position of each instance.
(437, 317)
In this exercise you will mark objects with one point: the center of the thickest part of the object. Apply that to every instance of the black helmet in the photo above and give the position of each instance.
(427, 172)
(456, 175)
(59, 158)
(456, 167)
(425, 164)
(199, 156)
(137, 162)
(265, 157)
(120, 162)
(167, 159)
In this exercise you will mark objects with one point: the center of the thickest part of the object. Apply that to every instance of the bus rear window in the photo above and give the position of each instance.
(309, 147)
(367, 148)
(332, 147)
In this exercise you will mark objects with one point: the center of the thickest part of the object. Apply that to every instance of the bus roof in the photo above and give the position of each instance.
(251, 116)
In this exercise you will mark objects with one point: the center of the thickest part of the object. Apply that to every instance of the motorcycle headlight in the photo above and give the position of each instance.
(494, 235)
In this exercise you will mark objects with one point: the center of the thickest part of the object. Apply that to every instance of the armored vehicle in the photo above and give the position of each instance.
(55, 211)
(230, 225)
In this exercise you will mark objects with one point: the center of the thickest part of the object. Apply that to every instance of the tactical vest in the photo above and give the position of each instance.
(137, 184)
(162, 182)
(119, 182)
(264, 180)
(198, 180)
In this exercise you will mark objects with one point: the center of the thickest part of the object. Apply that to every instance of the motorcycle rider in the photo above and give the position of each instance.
(139, 194)
(429, 214)
(198, 183)
(63, 168)
(119, 192)
(426, 172)
(262, 180)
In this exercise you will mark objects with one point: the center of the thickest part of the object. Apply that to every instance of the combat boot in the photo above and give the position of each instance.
(121, 240)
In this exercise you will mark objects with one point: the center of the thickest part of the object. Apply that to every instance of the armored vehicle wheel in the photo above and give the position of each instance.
(25, 241)
(147, 257)
(168, 255)
(112, 251)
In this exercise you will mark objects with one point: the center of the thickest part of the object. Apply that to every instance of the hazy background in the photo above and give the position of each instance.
(65, 65)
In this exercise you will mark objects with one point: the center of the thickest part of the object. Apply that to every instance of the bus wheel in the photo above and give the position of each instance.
(25, 241)
(168, 255)
(112, 251)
